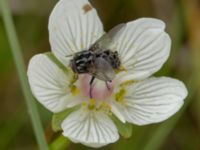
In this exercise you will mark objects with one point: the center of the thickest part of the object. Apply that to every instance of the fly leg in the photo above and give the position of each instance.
(91, 81)
(107, 85)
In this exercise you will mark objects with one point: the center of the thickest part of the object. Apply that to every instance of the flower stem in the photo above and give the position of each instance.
(18, 59)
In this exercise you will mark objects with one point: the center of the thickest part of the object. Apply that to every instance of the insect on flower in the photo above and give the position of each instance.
(114, 73)
(100, 61)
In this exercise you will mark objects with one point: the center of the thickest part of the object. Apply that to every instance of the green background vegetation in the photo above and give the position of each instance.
(182, 18)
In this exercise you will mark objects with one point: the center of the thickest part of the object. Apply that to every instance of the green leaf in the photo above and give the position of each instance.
(60, 143)
(124, 129)
(59, 117)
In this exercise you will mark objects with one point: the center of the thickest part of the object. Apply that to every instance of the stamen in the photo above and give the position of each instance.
(92, 104)
(126, 83)
(120, 95)
(105, 106)
(121, 68)
(74, 90)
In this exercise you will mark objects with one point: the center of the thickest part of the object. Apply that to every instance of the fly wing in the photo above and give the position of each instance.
(103, 70)
(107, 40)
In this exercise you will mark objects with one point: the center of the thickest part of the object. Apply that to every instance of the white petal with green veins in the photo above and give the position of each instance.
(153, 100)
(73, 26)
(90, 127)
(143, 48)
(50, 84)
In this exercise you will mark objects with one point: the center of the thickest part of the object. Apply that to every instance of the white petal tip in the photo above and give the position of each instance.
(91, 128)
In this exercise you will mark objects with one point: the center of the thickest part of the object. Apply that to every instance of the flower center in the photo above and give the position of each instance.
(99, 89)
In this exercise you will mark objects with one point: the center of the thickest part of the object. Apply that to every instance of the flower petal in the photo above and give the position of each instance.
(143, 47)
(49, 84)
(90, 127)
(73, 26)
(152, 100)
(118, 113)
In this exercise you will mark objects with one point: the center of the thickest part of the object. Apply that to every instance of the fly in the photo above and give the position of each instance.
(100, 60)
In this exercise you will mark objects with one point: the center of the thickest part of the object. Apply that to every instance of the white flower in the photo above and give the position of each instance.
(135, 96)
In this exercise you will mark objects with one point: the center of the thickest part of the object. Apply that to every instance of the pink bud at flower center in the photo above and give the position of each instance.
(100, 90)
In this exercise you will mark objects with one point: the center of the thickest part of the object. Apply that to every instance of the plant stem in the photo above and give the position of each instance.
(18, 59)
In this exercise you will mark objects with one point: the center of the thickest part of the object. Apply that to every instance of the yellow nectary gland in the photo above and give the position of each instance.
(120, 95)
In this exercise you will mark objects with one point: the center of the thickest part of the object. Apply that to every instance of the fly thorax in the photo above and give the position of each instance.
(82, 61)
(111, 57)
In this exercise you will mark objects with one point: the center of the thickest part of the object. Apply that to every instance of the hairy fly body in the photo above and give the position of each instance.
(100, 61)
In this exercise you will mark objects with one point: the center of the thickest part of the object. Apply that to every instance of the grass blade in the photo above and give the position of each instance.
(18, 59)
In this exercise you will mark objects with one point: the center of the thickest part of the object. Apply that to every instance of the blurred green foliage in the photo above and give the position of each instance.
(181, 131)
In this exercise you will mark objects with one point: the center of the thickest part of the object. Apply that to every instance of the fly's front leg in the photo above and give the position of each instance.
(107, 85)
(91, 81)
